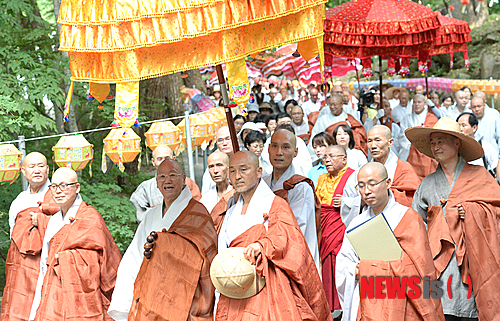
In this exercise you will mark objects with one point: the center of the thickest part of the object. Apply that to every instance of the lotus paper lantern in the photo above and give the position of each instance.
(122, 145)
(10, 163)
(73, 151)
(163, 133)
(200, 130)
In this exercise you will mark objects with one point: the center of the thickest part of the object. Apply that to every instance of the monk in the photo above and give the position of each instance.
(404, 179)
(225, 145)
(265, 226)
(416, 258)
(79, 257)
(296, 189)
(36, 172)
(329, 118)
(460, 203)
(22, 265)
(422, 164)
(329, 191)
(147, 194)
(218, 167)
(165, 272)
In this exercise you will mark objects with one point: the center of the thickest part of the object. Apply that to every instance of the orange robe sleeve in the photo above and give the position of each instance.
(219, 211)
(405, 183)
(422, 164)
(416, 260)
(476, 237)
(174, 284)
(358, 130)
(293, 289)
(195, 190)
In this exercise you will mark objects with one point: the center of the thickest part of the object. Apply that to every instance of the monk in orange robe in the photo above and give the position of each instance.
(329, 191)
(79, 258)
(264, 224)
(22, 265)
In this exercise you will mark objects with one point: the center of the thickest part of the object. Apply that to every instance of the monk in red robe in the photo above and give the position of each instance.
(79, 258)
(329, 191)
(265, 226)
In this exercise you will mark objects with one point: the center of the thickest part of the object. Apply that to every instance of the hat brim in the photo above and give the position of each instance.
(420, 137)
(254, 289)
(389, 93)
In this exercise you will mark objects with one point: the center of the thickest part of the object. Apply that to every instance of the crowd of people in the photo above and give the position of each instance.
(313, 166)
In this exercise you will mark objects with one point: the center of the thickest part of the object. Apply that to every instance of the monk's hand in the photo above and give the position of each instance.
(34, 219)
(337, 201)
(252, 252)
(357, 271)
(461, 211)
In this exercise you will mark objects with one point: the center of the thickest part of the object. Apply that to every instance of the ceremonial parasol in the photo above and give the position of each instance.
(452, 36)
(123, 42)
(387, 28)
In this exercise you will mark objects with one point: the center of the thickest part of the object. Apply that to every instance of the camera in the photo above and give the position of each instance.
(367, 98)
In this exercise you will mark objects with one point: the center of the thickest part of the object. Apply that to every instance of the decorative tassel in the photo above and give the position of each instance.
(466, 56)
(367, 67)
(139, 161)
(114, 124)
(405, 67)
(391, 66)
(307, 65)
(67, 104)
(451, 60)
(296, 54)
(184, 74)
(136, 123)
(110, 97)
(120, 156)
(397, 66)
(100, 106)
(104, 166)
(90, 168)
(90, 97)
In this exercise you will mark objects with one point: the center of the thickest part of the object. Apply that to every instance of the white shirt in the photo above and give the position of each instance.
(351, 109)
(302, 128)
(489, 127)
(393, 102)
(490, 155)
(302, 161)
(56, 223)
(207, 182)
(355, 158)
(411, 120)
(399, 112)
(301, 200)
(130, 265)
(351, 200)
(309, 107)
(26, 200)
(347, 259)
(211, 198)
(453, 111)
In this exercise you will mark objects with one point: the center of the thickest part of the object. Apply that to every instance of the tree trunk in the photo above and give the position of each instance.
(457, 13)
(194, 79)
(477, 13)
(152, 102)
(174, 102)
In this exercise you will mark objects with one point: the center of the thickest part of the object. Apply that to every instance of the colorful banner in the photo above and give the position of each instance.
(126, 105)
(239, 86)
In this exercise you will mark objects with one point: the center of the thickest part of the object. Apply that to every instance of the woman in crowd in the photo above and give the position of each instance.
(344, 137)
(239, 120)
(254, 142)
(319, 143)
(447, 101)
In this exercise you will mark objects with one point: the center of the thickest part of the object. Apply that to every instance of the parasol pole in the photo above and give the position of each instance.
(227, 109)
(380, 76)
(426, 86)
(294, 72)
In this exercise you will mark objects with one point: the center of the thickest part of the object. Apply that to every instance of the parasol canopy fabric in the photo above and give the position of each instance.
(452, 36)
(366, 28)
(111, 41)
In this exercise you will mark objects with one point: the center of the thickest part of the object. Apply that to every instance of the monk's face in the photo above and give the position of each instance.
(335, 105)
(379, 143)
(282, 149)
(35, 169)
(218, 168)
(404, 98)
(223, 141)
(170, 180)
(477, 107)
(373, 187)
(160, 154)
(64, 187)
(334, 160)
(418, 105)
(244, 174)
(444, 147)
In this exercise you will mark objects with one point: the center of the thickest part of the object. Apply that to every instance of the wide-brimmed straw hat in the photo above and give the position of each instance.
(389, 93)
(234, 276)
(420, 137)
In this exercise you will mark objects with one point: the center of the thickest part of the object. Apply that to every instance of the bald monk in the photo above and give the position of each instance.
(171, 280)
(416, 258)
(22, 265)
(329, 191)
(225, 145)
(36, 172)
(265, 226)
(218, 166)
(79, 257)
(147, 194)
(404, 179)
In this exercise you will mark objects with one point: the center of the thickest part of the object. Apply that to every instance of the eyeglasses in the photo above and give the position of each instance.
(371, 185)
(332, 156)
(170, 176)
(62, 186)
(221, 140)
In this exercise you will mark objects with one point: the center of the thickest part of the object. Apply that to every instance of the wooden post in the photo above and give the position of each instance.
(229, 114)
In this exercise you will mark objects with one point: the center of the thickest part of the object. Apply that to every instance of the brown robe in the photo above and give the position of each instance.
(22, 265)
(81, 270)
(289, 184)
(358, 130)
(293, 289)
(416, 260)
(405, 183)
(220, 209)
(477, 237)
(422, 164)
(195, 190)
(174, 284)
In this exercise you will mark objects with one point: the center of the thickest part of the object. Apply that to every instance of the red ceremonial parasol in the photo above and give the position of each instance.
(451, 37)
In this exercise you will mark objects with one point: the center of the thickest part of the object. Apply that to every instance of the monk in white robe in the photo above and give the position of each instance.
(224, 144)
(218, 166)
(489, 122)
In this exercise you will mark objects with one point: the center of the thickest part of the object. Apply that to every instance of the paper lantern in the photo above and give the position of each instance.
(163, 133)
(10, 163)
(200, 129)
(73, 151)
(122, 145)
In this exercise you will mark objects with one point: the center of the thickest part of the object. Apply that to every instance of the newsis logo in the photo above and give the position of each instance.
(382, 287)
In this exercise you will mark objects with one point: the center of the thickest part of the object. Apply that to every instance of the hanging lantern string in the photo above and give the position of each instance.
(86, 131)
